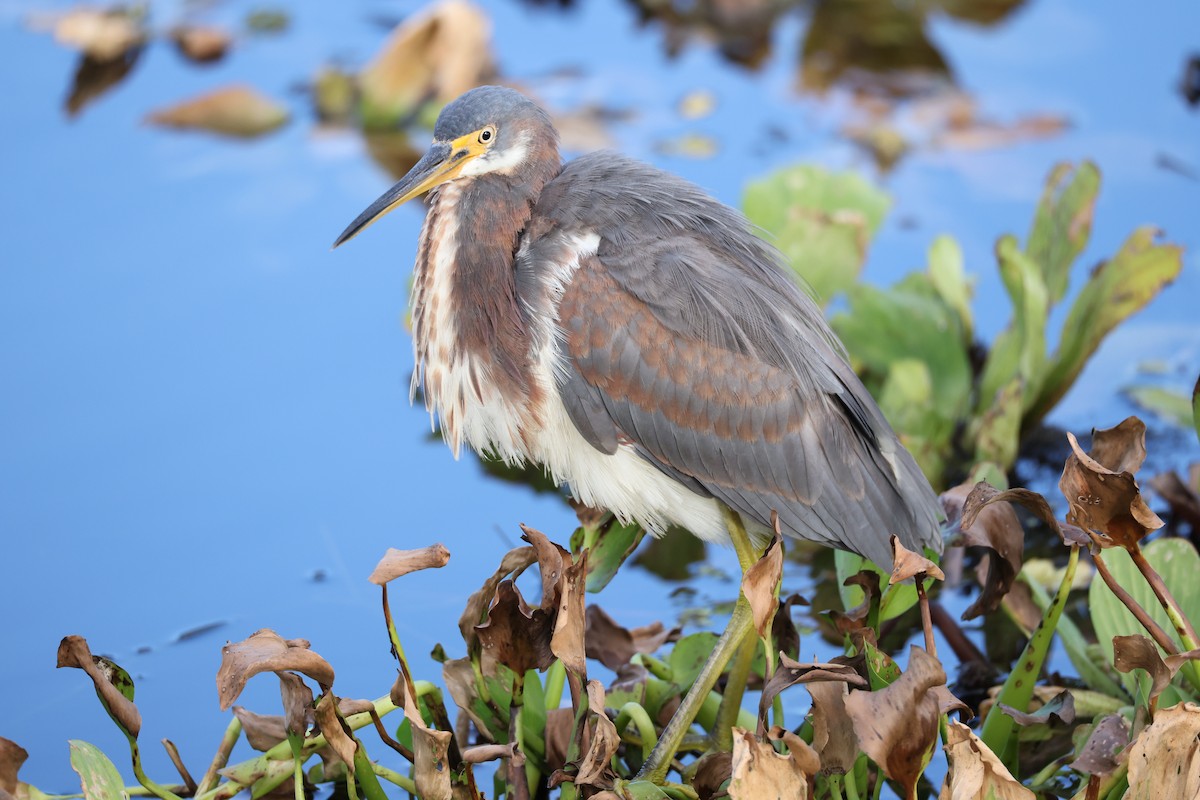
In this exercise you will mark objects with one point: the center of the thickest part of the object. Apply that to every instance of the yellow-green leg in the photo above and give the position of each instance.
(740, 626)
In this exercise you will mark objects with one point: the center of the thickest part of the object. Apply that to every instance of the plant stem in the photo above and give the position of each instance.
(1183, 625)
(556, 677)
(391, 776)
(1152, 627)
(735, 688)
(633, 712)
(233, 732)
(926, 619)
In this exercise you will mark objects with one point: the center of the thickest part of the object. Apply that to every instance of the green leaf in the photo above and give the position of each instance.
(949, 278)
(895, 599)
(907, 400)
(1171, 406)
(642, 790)
(882, 671)
(533, 719)
(607, 551)
(1175, 560)
(998, 435)
(822, 221)
(1063, 223)
(688, 657)
(1117, 288)
(97, 775)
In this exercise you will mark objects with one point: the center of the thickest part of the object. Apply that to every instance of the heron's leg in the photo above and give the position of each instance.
(741, 623)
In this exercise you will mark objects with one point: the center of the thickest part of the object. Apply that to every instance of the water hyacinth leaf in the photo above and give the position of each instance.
(515, 634)
(113, 685)
(760, 772)
(975, 773)
(594, 764)
(1107, 738)
(897, 726)
(688, 656)
(333, 729)
(998, 428)
(1063, 223)
(1174, 407)
(612, 544)
(982, 518)
(514, 563)
(1059, 710)
(267, 651)
(436, 54)
(1164, 760)
(760, 585)
(1184, 500)
(1031, 307)
(1140, 652)
(459, 677)
(98, 777)
(201, 44)
(94, 78)
(100, 34)
(396, 563)
(1115, 290)
(821, 221)
(567, 640)
(1175, 560)
(1121, 448)
(613, 645)
(907, 564)
(833, 739)
(262, 731)
(1105, 501)
(790, 672)
(711, 773)
(12, 756)
(239, 111)
(297, 703)
(948, 277)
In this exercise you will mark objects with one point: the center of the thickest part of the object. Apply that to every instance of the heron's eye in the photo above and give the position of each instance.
(487, 134)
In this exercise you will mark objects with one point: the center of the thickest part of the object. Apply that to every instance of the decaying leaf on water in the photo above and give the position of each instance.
(760, 584)
(231, 111)
(759, 772)
(1164, 760)
(1100, 487)
(396, 563)
(202, 44)
(267, 651)
(897, 726)
(613, 645)
(979, 516)
(103, 34)
(12, 756)
(975, 773)
(114, 687)
(436, 54)
(1140, 652)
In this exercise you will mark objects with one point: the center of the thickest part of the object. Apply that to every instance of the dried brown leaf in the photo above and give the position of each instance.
(431, 768)
(1164, 760)
(567, 641)
(12, 756)
(760, 584)
(552, 561)
(267, 651)
(401, 562)
(907, 564)
(459, 677)
(833, 739)
(1103, 500)
(613, 645)
(514, 563)
(897, 725)
(560, 724)
(1059, 710)
(759, 772)
(263, 731)
(806, 757)
(1098, 757)
(297, 703)
(340, 740)
(1121, 448)
(948, 702)
(102, 35)
(783, 630)
(711, 773)
(1183, 499)
(515, 635)
(985, 519)
(202, 44)
(232, 110)
(789, 673)
(977, 134)
(595, 768)
(975, 773)
(73, 651)
(489, 752)
(1140, 652)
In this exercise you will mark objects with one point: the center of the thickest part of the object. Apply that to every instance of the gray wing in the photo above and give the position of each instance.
(684, 336)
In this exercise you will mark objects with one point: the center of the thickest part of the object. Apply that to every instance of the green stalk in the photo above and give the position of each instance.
(233, 732)
(1075, 645)
(556, 677)
(633, 712)
(998, 729)
(391, 776)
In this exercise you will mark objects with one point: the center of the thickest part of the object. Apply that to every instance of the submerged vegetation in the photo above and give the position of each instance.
(517, 712)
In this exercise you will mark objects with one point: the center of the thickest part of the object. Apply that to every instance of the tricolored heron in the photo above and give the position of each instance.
(616, 325)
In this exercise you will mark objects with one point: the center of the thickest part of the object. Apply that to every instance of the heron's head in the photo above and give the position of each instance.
(488, 130)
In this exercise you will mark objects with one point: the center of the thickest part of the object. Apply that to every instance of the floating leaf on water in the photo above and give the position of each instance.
(114, 687)
(1174, 407)
(98, 777)
(267, 651)
(267, 20)
(979, 134)
(201, 44)
(333, 96)
(101, 34)
(396, 563)
(231, 111)
(1164, 760)
(975, 771)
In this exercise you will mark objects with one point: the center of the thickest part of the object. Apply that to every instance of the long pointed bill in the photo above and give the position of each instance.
(437, 166)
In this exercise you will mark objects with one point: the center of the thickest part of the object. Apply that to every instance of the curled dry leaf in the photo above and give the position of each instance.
(262, 731)
(267, 651)
(1105, 500)
(907, 564)
(595, 768)
(567, 641)
(401, 562)
(1099, 756)
(560, 724)
(804, 754)
(760, 584)
(12, 756)
(202, 44)
(833, 739)
(897, 725)
(231, 111)
(1140, 652)
(459, 677)
(975, 773)
(113, 685)
(100, 34)
(335, 731)
(431, 768)
(515, 635)
(712, 770)
(297, 703)
(783, 630)
(1060, 710)
(613, 645)
(514, 563)
(759, 772)
(984, 518)
(790, 672)
(489, 752)
(1164, 760)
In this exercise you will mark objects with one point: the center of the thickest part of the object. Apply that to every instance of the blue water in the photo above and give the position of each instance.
(203, 409)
